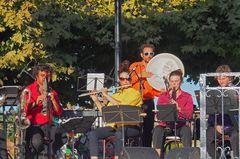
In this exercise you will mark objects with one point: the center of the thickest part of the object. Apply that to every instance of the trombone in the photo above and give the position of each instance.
(109, 90)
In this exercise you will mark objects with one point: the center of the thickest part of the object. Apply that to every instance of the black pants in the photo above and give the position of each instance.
(36, 139)
(234, 138)
(159, 135)
(104, 132)
(148, 122)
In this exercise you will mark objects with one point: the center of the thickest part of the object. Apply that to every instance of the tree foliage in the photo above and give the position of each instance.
(74, 36)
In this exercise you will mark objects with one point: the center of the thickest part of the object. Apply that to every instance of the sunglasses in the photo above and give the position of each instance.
(122, 79)
(148, 53)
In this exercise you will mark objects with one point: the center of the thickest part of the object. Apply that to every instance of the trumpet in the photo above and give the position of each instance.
(109, 90)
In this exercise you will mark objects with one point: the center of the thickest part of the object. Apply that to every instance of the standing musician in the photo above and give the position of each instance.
(139, 82)
(227, 126)
(184, 103)
(125, 96)
(41, 124)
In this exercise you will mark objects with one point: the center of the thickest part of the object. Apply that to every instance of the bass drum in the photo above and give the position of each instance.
(161, 66)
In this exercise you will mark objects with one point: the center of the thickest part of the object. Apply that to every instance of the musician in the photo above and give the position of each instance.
(218, 127)
(37, 134)
(139, 81)
(125, 96)
(184, 103)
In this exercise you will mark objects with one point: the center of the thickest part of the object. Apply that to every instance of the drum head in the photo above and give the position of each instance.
(161, 66)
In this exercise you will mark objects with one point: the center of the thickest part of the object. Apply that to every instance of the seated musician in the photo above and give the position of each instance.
(125, 96)
(223, 81)
(37, 133)
(184, 103)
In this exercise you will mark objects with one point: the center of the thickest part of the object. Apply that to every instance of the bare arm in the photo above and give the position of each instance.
(109, 98)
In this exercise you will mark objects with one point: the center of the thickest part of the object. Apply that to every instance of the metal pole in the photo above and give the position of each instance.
(117, 37)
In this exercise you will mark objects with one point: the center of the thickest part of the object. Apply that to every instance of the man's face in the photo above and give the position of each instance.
(223, 81)
(175, 82)
(41, 77)
(147, 54)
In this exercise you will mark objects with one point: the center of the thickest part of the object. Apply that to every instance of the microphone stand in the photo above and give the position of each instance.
(140, 80)
(49, 106)
(24, 71)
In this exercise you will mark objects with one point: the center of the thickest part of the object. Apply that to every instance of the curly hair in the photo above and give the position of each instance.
(146, 46)
(41, 67)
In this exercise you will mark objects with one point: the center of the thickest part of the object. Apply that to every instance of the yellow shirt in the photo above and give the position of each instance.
(129, 96)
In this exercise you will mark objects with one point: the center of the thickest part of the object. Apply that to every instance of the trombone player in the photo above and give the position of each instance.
(125, 96)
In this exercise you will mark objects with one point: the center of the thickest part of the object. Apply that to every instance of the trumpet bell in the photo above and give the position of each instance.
(161, 66)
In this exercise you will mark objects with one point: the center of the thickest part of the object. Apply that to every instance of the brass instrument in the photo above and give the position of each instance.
(22, 123)
(99, 91)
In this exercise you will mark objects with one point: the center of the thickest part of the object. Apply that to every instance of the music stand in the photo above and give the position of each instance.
(122, 114)
(78, 125)
(167, 112)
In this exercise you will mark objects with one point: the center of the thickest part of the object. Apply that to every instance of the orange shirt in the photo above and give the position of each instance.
(148, 92)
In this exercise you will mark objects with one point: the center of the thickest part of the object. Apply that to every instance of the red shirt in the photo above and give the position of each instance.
(33, 110)
(148, 91)
(185, 103)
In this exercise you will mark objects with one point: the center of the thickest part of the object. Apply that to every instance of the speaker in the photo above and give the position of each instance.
(184, 153)
(3, 145)
(139, 153)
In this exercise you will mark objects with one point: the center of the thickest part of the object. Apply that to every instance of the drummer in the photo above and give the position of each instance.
(139, 81)
(184, 103)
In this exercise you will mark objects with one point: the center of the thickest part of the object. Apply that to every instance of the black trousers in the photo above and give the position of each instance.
(234, 138)
(148, 122)
(159, 135)
(37, 139)
(104, 132)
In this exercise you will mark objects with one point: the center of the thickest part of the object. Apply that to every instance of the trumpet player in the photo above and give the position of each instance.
(42, 130)
(125, 96)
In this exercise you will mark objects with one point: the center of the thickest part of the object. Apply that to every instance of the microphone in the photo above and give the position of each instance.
(20, 74)
(174, 94)
(133, 69)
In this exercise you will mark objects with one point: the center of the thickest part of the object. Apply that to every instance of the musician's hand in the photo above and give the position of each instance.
(174, 102)
(52, 96)
(94, 97)
(188, 124)
(146, 74)
(219, 129)
(41, 98)
(104, 91)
